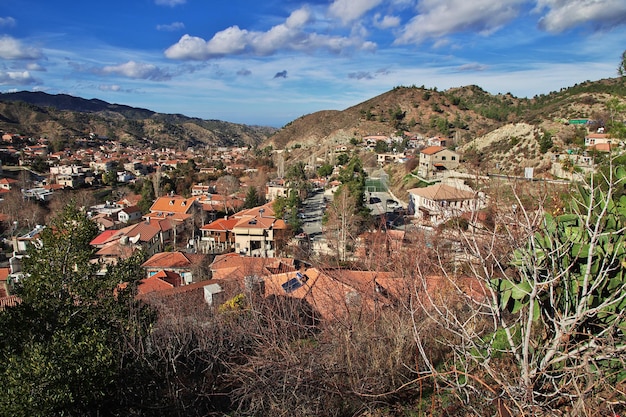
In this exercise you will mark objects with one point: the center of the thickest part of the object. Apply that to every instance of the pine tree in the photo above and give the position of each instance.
(62, 349)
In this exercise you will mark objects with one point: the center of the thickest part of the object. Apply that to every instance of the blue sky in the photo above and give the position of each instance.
(270, 62)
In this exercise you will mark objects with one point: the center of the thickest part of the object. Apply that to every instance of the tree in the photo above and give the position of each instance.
(342, 159)
(621, 69)
(63, 348)
(325, 170)
(226, 186)
(342, 222)
(380, 147)
(147, 196)
(252, 198)
(545, 328)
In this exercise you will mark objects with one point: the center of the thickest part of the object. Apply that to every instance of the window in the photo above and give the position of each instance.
(443, 158)
(454, 158)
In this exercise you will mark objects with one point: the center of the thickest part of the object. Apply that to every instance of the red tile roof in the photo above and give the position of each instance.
(153, 284)
(172, 204)
(4, 273)
(235, 266)
(221, 224)
(432, 150)
(166, 260)
(104, 237)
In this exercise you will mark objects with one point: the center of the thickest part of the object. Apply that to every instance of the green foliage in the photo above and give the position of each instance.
(572, 271)
(252, 198)
(381, 146)
(342, 158)
(147, 196)
(545, 142)
(325, 170)
(296, 172)
(62, 347)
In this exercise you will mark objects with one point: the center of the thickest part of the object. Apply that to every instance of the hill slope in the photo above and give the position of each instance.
(464, 115)
(62, 117)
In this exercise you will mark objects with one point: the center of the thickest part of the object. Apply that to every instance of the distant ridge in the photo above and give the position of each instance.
(73, 103)
(63, 117)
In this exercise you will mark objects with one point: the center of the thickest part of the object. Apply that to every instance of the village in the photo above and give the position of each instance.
(213, 231)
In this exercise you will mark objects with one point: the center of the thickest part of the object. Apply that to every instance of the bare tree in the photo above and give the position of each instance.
(538, 320)
(227, 185)
(343, 222)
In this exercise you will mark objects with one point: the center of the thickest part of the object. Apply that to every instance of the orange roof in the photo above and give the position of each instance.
(251, 222)
(172, 204)
(330, 297)
(103, 237)
(597, 135)
(268, 211)
(4, 273)
(116, 249)
(235, 266)
(152, 284)
(602, 147)
(170, 277)
(10, 301)
(432, 150)
(145, 231)
(221, 224)
(172, 260)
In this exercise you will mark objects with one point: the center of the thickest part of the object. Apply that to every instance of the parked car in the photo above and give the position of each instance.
(392, 204)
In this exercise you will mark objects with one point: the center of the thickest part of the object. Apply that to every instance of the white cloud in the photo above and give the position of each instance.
(289, 35)
(172, 27)
(437, 18)
(472, 67)
(7, 21)
(386, 22)
(566, 14)
(11, 48)
(16, 78)
(350, 10)
(170, 3)
(115, 88)
(33, 66)
(137, 70)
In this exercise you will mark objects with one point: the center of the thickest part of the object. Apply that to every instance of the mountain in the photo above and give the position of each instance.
(506, 131)
(62, 117)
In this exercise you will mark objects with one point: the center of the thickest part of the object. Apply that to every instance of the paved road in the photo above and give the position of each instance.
(313, 210)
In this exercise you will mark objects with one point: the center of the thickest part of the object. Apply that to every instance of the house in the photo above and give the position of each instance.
(218, 236)
(202, 189)
(276, 189)
(129, 214)
(150, 235)
(21, 243)
(179, 263)
(7, 183)
(169, 205)
(594, 139)
(70, 180)
(338, 294)
(435, 160)
(233, 266)
(161, 281)
(258, 232)
(440, 202)
(386, 158)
